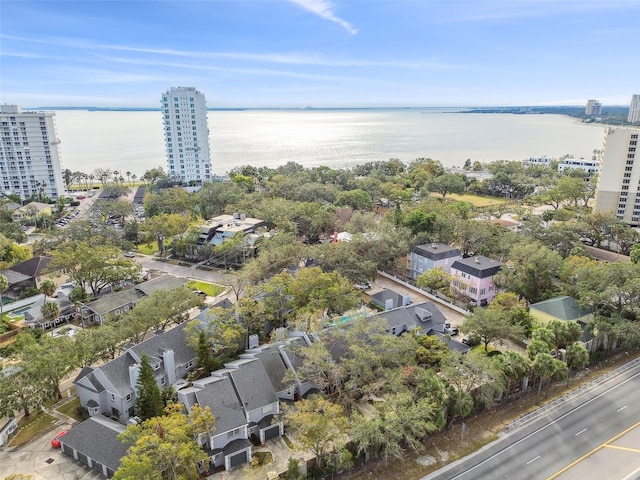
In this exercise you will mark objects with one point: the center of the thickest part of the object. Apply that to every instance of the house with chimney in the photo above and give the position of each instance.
(429, 256)
(110, 389)
(473, 278)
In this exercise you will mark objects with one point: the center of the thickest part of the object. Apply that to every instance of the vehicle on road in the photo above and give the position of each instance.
(130, 254)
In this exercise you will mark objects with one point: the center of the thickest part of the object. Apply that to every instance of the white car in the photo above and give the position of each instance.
(130, 254)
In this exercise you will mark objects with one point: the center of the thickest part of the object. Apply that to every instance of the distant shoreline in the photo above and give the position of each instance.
(519, 110)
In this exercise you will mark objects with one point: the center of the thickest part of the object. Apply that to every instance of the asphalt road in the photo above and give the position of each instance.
(149, 263)
(547, 445)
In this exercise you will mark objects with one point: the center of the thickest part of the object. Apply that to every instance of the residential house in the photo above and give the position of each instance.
(33, 317)
(429, 256)
(387, 299)
(473, 278)
(257, 395)
(121, 302)
(223, 227)
(229, 446)
(280, 359)
(111, 388)
(425, 317)
(17, 283)
(31, 211)
(563, 308)
(244, 403)
(95, 443)
(34, 268)
(111, 304)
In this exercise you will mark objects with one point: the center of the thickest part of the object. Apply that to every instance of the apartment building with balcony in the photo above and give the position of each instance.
(618, 188)
(186, 135)
(30, 164)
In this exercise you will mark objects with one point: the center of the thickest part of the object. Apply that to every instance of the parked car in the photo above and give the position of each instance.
(130, 254)
(55, 443)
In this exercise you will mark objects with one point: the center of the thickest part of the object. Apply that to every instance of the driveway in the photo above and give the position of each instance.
(43, 462)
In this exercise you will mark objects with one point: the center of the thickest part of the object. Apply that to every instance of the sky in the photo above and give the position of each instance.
(320, 53)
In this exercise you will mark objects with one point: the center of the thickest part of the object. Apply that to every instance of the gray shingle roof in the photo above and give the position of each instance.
(271, 358)
(478, 266)
(113, 301)
(436, 251)
(380, 298)
(425, 316)
(220, 396)
(97, 438)
(253, 385)
(163, 282)
(117, 370)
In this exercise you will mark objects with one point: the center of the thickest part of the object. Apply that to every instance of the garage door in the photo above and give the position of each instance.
(97, 466)
(238, 459)
(272, 432)
(83, 458)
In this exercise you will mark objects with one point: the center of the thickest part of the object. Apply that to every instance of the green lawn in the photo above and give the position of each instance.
(34, 426)
(478, 200)
(71, 409)
(210, 289)
(146, 249)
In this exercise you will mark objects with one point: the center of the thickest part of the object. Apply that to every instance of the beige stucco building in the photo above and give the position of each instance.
(618, 188)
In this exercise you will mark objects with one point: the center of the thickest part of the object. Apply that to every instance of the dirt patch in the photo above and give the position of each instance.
(450, 444)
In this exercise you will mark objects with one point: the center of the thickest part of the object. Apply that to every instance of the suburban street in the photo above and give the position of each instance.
(602, 419)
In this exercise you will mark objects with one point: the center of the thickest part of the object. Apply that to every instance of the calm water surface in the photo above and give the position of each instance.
(133, 141)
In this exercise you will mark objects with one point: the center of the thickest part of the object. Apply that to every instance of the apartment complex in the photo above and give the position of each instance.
(29, 157)
(186, 135)
(618, 187)
(593, 108)
(634, 109)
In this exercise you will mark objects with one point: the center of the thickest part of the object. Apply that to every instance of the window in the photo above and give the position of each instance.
(267, 408)
(233, 433)
(129, 398)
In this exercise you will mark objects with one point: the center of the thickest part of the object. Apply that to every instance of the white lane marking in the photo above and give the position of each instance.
(533, 460)
(581, 431)
(547, 425)
(621, 408)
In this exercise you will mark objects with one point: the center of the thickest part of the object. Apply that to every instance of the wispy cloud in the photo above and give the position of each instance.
(278, 58)
(325, 9)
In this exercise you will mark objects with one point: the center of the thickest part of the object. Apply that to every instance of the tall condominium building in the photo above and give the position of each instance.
(29, 157)
(186, 134)
(634, 109)
(593, 108)
(618, 188)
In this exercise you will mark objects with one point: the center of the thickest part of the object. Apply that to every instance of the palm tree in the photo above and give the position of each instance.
(115, 176)
(133, 177)
(48, 287)
(129, 178)
(91, 177)
(50, 312)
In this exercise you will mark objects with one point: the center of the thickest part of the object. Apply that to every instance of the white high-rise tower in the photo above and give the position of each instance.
(634, 109)
(29, 158)
(186, 135)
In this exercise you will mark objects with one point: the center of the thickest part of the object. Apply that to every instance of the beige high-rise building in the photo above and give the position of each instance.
(634, 109)
(618, 188)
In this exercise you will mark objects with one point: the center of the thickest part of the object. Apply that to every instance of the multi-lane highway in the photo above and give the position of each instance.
(562, 442)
